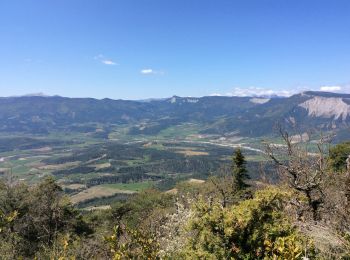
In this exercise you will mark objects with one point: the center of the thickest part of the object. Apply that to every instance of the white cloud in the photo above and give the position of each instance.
(104, 60)
(268, 92)
(147, 71)
(215, 95)
(108, 62)
(151, 72)
(331, 88)
(259, 92)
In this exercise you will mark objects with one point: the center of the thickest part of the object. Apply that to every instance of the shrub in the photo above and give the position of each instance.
(253, 229)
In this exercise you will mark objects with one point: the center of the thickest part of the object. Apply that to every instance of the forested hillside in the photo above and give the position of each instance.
(247, 116)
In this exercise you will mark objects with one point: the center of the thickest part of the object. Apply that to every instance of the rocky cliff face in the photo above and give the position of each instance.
(327, 107)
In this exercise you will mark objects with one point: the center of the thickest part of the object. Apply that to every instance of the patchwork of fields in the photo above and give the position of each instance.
(94, 171)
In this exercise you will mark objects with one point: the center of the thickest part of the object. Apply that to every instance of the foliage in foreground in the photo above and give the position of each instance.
(32, 218)
(224, 218)
(253, 229)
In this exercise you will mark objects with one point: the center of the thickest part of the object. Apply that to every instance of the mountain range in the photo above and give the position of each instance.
(248, 116)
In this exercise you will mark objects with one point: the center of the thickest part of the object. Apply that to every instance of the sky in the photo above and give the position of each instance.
(141, 49)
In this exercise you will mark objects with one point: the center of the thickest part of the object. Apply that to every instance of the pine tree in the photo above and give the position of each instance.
(239, 171)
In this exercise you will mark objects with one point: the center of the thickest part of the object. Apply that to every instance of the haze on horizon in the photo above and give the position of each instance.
(132, 49)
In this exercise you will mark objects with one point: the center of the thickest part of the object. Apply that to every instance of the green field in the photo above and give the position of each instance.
(132, 162)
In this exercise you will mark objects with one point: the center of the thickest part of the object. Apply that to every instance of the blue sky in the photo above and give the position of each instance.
(157, 48)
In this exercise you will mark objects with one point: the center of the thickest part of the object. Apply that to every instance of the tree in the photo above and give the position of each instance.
(231, 184)
(52, 212)
(338, 155)
(304, 172)
(239, 170)
(32, 218)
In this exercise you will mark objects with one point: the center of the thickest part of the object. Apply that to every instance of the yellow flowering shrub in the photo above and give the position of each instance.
(253, 229)
(131, 244)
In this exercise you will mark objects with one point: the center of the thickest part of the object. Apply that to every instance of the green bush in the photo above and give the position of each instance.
(253, 229)
(338, 155)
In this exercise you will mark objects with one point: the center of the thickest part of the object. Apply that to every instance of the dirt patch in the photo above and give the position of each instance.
(102, 166)
(93, 208)
(36, 164)
(58, 166)
(75, 186)
(196, 181)
(97, 192)
(43, 149)
(192, 153)
(172, 191)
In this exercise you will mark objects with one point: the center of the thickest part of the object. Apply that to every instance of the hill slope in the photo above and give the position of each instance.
(249, 116)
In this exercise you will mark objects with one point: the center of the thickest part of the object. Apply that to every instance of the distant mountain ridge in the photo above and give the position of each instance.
(249, 116)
